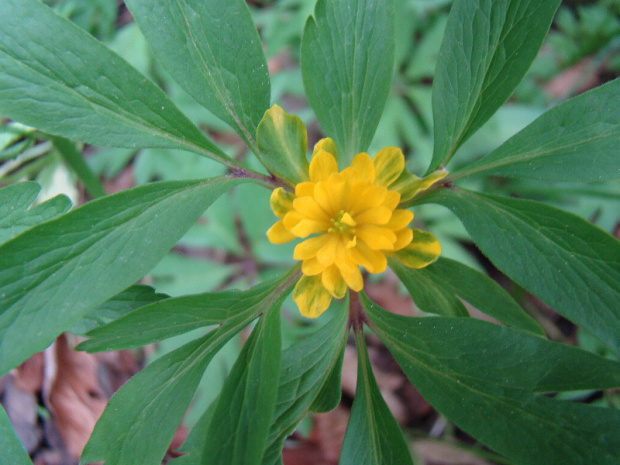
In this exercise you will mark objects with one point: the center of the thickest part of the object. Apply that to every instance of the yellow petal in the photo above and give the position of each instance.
(305, 227)
(311, 297)
(376, 237)
(322, 165)
(423, 250)
(309, 247)
(291, 219)
(392, 198)
(364, 165)
(378, 215)
(364, 196)
(372, 260)
(403, 238)
(351, 274)
(400, 219)
(328, 253)
(310, 209)
(304, 188)
(311, 267)
(389, 163)
(278, 234)
(326, 144)
(333, 282)
(281, 202)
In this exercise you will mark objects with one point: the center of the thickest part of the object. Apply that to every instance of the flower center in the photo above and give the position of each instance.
(343, 223)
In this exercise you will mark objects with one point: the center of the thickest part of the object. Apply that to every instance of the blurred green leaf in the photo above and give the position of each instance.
(54, 273)
(575, 141)
(306, 369)
(485, 52)
(12, 450)
(121, 304)
(239, 427)
(347, 57)
(150, 406)
(170, 317)
(439, 287)
(565, 261)
(61, 80)
(484, 378)
(16, 213)
(213, 50)
(372, 436)
(282, 144)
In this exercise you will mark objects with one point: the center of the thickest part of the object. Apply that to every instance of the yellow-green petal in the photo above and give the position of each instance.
(409, 185)
(389, 164)
(311, 297)
(281, 202)
(326, 144)
(333, 282)
(423, 250)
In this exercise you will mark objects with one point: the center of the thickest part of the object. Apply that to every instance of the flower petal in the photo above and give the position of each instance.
(322, 165)
(278, 234)
(305, 227)
(328, 253)
(281, 202)
(376, 237)
(311, 267)
(311, 297)
(309, 247)
(326, 144)
(372, 260)
(403, 238)
(423, 250)
(400, 219)
(377, 215)
(351, 274)
(333, 282)
(310, 209)
(304, 188)
(364, 165)
(389, 163)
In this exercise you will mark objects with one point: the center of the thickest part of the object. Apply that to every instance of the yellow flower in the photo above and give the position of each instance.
(351, 220)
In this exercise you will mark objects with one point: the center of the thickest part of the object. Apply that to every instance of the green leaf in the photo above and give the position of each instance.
(16, 214)
(439, 287)
(372, 436)
(347, 57)
(240, 424)
(54, 273)
(61, 80)
(484, 378)
(306, 369)
(170, 317)
(282, 144)
(330, 394)
(575, 141)
(486, 50)
(144, 414)
(12, 450)
(565, 261)
(130, 299)
(212, 49)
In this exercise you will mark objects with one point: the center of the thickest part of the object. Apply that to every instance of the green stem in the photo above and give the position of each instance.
(74, 159)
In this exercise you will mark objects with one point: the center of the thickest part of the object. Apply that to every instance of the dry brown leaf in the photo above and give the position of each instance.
(73, 394)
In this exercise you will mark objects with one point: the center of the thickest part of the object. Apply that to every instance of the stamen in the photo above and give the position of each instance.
(343, 223)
